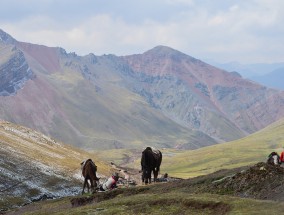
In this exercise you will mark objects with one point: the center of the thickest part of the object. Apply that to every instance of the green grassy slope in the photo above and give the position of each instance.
(169, 198)
(98, 124)
(246, 151)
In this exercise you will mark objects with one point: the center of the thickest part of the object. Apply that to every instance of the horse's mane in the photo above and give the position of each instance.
(93, 165)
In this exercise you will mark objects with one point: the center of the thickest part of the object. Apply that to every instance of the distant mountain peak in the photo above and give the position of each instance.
(162, 48)
(167, 52)
(6, 38)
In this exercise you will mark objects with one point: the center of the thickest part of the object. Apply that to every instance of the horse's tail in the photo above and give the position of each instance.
(143, 159)
(159, 161)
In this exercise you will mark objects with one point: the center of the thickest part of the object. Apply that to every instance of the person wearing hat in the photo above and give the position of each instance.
(110, 183)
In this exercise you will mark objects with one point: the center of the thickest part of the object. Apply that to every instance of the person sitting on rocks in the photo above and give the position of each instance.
(273, 159)
(110, 183)
(164, 178)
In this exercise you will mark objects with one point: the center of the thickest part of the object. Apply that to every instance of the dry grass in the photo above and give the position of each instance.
(152, 201)
(190, 163)
(34, 146)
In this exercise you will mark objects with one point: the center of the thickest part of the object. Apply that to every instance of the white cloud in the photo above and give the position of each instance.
(184, 2)
(245, 31)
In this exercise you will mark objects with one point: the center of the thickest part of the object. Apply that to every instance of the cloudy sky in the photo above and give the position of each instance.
(247, 31)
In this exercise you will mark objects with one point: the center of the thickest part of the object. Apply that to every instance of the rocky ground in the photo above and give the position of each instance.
(261, 181)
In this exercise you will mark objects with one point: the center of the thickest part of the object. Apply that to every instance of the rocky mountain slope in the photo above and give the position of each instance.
(162, 98)
(14, 71)
(200, 96)
(33, 166)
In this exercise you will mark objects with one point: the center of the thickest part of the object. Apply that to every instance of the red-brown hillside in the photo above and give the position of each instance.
(163, 98)
(247, 105)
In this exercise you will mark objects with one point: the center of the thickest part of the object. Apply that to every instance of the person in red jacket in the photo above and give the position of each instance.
(282, 156)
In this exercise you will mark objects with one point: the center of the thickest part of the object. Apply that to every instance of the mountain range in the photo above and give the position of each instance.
(274, 79)
(267, 74)
(162, 98)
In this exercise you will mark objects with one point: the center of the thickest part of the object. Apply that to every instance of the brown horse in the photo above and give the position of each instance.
(89, 170)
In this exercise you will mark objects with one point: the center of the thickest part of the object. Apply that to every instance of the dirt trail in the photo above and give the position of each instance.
(128, 173)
